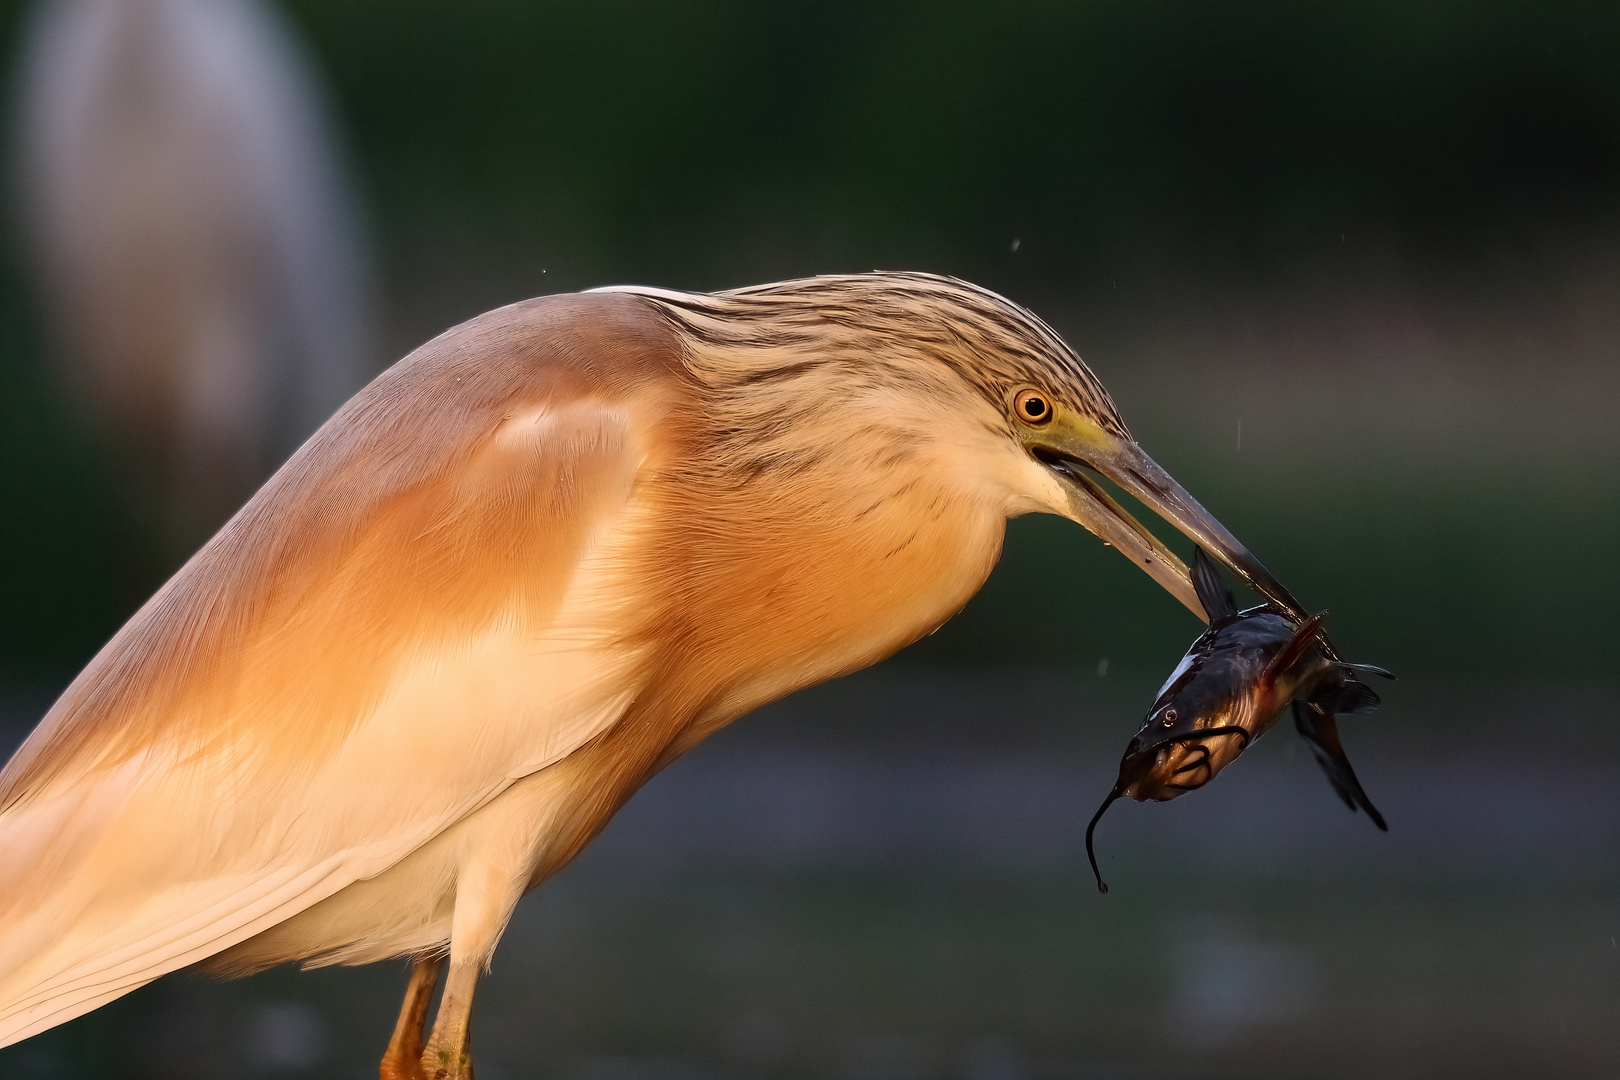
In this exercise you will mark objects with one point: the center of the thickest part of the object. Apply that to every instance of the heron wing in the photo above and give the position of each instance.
(418, 609)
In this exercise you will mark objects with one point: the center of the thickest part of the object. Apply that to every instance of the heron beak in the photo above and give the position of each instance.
(1071, 444)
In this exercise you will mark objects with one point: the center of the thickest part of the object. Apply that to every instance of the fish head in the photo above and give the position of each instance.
(1195, 728)
(1189, 736)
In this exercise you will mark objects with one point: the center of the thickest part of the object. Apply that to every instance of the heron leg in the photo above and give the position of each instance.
(403, 1058)
(449, 1052)
(486, 893)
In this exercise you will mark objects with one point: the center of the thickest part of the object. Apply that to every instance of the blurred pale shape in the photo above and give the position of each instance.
(199, 243)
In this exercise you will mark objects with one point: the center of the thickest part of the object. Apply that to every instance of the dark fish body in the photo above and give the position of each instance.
(1233, 684)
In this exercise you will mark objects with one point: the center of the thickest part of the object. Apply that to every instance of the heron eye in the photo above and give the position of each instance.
(1032, 407)
(1169, 718)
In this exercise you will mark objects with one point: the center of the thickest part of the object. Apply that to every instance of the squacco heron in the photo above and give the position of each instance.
(525, 569)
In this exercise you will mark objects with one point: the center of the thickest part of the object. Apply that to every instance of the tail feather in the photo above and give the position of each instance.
(102, 952)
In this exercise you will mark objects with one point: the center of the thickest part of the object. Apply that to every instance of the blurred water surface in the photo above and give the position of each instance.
(885, 878)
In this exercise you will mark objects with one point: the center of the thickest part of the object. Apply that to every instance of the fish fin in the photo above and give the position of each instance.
(1371, 669)
(1316, 725)
(1291, 653)
(1212, 590)
(1091, 853)
(1351, 698)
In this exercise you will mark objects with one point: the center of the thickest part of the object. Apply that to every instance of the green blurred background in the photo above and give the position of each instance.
(1352, 272)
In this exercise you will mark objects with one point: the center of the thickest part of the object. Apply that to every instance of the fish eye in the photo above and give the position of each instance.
(1032, 407)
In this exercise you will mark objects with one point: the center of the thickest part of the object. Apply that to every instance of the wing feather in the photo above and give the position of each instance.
(421, 607)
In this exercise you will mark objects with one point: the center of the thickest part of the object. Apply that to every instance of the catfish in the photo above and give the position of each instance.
(1233, 684)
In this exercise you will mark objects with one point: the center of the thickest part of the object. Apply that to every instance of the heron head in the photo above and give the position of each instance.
(1066, 435)
(961, 369)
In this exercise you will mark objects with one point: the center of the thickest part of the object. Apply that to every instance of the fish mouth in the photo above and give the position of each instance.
(1171, 776)
(1194, 764)
(1073, 460)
